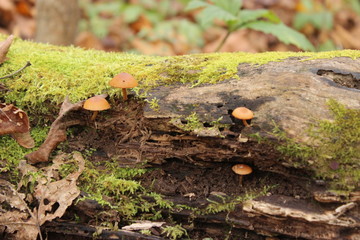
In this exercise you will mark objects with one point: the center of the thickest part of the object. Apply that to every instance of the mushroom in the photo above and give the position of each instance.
(244, 114)
(241, 170)
(96, 104)
(123, 81)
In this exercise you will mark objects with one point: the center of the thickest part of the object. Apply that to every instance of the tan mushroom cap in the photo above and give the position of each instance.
(96, 103)
(243, 113)
(242, 169)
(123, 80)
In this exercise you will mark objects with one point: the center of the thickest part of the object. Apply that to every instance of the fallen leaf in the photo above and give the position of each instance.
(4, 48)
(57, 133)
(15, 122)
(17, 219)
(24, 139)
(56, 197)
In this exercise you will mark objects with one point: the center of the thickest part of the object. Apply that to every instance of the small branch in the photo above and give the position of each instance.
(17, 71)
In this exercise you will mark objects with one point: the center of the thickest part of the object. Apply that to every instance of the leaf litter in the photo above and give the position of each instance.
(52, 194)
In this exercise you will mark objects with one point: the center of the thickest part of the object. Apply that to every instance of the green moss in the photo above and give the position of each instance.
(227, 204)
(11, 152)
(333, 152)
(57, 72)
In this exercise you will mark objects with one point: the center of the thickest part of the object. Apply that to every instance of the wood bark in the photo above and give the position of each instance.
(57, 21)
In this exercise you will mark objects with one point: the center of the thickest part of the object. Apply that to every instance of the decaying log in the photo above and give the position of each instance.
(274, 215)
(292, 93)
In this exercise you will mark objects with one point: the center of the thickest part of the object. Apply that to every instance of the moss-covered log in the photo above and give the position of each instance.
(306, 126)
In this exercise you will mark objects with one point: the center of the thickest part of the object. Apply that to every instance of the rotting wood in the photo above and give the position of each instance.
(274, 92)
(73, 230)
(275, 215)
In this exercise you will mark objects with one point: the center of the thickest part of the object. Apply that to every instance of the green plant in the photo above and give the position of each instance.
(315, 15)
(235, 18)
(174, 232)
(154, 104)
(228, 204)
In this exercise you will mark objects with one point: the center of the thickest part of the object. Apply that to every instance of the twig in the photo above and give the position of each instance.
(17, 71)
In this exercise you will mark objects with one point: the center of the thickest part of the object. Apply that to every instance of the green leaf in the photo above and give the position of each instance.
(284, 33)
(246, 16)
(132, 12)
(231, 6)
(320, 20)
(196, 4)
(211, 12)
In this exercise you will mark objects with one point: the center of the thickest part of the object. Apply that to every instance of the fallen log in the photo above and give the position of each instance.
(186, 117)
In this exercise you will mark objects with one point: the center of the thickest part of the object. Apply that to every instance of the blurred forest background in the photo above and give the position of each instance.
(166, 27)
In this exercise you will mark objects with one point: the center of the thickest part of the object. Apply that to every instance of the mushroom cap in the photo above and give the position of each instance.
(96, 103)
(123, 80)
(242, 169)
(243, 113)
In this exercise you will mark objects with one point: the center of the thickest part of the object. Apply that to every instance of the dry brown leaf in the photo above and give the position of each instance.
(15, 122)
(57, 133)
(7, 9)
(158, 47)
(88, 40)
(24, 139)
(347, 39)
(56, 197)
(4, 48)
(141, 23)
(20, 220)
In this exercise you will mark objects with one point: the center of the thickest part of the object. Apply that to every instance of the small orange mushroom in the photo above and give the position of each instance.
(123, 81)
(243, 114)
(241, 170)
(96, 104)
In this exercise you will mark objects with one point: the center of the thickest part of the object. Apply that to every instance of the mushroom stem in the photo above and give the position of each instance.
(124, 94)
(240, 180)
(94, 116)
(245, 123)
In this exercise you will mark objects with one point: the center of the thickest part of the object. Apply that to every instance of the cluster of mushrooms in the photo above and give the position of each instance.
(99, 103)
(243, 114)
(126, 80)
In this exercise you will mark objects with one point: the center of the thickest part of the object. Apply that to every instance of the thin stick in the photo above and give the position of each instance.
(17, 71)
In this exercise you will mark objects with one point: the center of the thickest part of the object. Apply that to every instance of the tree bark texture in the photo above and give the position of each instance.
(57, 21)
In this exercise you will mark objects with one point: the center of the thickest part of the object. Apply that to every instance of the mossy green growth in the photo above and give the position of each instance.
(11, 152)
(333, 152)
(57, 71)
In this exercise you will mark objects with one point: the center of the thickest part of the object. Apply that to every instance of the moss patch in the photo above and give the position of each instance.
(11, 152)
(57, 72)
(334, 151)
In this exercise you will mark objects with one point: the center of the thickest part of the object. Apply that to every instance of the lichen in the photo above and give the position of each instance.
(57, 71)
